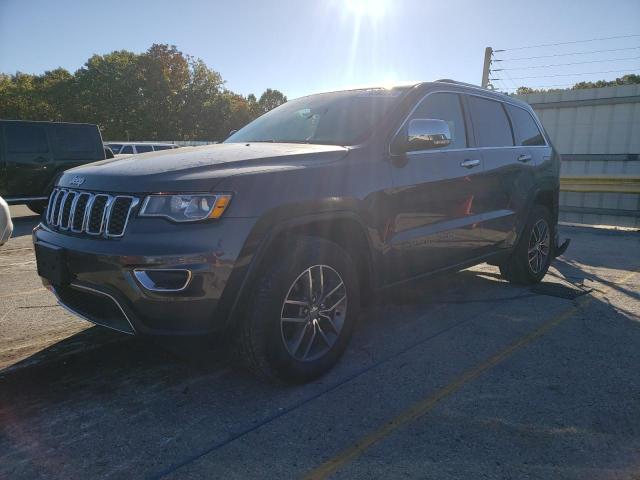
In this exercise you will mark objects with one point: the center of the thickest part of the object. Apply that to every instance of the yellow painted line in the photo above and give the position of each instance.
(605, 183)
(27, 292)
(611, 179)
(423, 407)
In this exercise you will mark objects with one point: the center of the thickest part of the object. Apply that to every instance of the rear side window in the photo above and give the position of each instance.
(490, 123)
(524, 126)
(75, 138)
(445, 106)
(144, 148)
(115, 147)
(162, 147)
(127, 149)
(26, 138)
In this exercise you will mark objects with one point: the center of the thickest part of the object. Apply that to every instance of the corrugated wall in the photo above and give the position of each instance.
(597, 131)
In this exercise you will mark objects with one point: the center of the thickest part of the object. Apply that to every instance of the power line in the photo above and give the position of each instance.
(571, 74)
(567, 43)
(563, 64)
(564, 54)
(510, 79)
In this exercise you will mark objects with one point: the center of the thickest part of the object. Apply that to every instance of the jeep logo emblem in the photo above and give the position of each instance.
(76, 181)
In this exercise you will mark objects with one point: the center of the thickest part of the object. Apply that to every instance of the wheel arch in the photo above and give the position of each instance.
(344, 228)
(548, 198)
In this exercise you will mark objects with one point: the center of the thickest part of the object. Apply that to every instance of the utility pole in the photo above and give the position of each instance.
(486, 69)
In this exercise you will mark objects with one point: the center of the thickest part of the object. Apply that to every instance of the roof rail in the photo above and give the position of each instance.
(448, 80)
(471, 85)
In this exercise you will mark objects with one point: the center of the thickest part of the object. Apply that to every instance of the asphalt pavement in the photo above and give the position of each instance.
(460, 376)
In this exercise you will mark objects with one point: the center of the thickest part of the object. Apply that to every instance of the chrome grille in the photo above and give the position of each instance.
(65, 214)
(96, 214)
(77, 223)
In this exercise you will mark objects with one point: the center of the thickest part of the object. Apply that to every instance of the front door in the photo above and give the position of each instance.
(436, 198)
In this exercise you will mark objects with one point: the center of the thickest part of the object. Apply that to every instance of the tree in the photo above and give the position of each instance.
(270, 99)
(629, 79)
(161, 94)
(108, 92)
(254, 108)
(624, 80)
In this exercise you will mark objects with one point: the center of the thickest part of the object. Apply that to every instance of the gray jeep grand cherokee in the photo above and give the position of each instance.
(276, 236)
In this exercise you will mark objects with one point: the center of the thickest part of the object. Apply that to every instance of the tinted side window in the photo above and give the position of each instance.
(445, 106)
(144, 148)
(26, 138)
(525, 127)
(490, 123)
(162, 147)
(127, 149)
(114, 147)
(75, 138)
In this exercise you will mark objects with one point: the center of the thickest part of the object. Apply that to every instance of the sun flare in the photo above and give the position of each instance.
(374, 9)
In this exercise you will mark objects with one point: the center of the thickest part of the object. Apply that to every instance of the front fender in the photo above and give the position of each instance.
(263, 239)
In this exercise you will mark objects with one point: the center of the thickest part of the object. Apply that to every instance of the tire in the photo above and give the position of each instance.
(523, 266)
(38, 206)
(266, 343)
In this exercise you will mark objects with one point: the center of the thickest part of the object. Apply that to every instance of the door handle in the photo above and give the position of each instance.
(470, 163)
(524, 158)
(41, 159)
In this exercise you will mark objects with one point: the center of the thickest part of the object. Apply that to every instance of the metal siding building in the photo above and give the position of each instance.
(597, 131)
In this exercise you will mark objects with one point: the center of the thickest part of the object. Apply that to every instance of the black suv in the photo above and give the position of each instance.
(277, 235)
(34, 154)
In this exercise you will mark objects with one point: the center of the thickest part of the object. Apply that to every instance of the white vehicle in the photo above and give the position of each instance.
(131, 148)
(6, 226)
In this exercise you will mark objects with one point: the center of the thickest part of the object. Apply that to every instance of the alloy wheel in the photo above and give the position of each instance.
(313, 313)
(539, 243)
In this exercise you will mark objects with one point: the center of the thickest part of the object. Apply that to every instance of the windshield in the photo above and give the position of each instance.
(338, 118)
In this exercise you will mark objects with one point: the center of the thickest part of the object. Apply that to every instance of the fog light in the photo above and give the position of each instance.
(163, 280)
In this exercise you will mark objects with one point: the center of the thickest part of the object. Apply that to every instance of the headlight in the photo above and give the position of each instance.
(185, 208)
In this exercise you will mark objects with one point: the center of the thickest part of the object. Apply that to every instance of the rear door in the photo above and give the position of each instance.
(533, 147)
(28, 159)
(505, 174)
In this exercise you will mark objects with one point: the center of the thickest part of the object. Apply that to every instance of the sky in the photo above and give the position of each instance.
(306, 46)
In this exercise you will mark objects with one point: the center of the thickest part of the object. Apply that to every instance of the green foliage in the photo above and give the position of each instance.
(160, 94)
(624, 80)
(270, 99)
(629, 79)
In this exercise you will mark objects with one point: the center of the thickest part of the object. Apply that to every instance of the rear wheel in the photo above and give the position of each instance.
(531, 258)
(38, 206)
(303, 312)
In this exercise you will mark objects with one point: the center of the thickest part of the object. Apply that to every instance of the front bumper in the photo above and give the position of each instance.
(102, 286)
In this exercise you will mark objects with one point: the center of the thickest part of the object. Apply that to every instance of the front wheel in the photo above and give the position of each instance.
(302, 314)
(531, 258)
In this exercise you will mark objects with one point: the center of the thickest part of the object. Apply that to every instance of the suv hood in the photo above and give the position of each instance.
(193, 169)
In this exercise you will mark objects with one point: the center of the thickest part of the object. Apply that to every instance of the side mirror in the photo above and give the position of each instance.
(423, 134)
